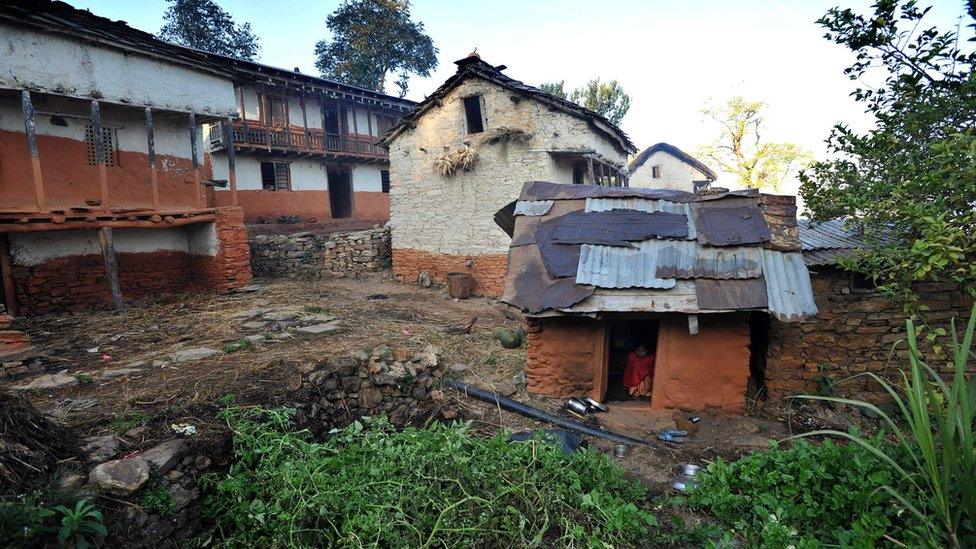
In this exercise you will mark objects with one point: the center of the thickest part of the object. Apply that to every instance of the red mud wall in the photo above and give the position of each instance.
(69, 180)
(372, 206)
(488, 271)
(75, 283)
(708, 370)
(567, 356)
(263, 206)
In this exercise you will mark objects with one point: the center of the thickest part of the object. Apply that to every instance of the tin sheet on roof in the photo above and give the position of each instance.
(643, 205)
(617, 267)
(787, 285)
(687, 259)
(719, 225)
(816, 258)
(533, 207)
(749, 293)
(615, 228)
(816, 235)
(505, 218)
(544, 190)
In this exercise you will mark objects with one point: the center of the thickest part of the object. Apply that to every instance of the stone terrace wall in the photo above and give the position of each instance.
(313, 255)
(853, 333)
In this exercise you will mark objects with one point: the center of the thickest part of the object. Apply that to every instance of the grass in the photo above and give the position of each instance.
(122, 423)
(372, 485)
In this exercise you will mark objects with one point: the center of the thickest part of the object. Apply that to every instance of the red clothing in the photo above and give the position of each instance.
(638, 369)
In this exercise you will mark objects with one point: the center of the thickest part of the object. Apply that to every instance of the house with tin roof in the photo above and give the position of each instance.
(664, 166)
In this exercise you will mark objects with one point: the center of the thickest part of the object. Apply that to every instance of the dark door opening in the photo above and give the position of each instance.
(340, 193)
(625, 338)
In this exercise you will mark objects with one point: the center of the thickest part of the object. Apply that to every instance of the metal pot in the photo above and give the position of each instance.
(687, 477)
(576, 405)
(595, 405)
(621, 450)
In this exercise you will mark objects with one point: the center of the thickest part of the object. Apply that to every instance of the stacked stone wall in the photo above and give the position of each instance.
(316, 255)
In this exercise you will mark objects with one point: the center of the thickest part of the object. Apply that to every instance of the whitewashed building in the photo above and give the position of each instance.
(516, 133)
(664, 166)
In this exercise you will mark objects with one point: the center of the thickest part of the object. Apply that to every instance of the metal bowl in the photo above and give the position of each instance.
(595, 405)
(689, 469)
(576, 405)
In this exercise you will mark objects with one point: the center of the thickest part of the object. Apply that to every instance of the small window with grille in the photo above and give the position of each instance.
(385, 180)
(275, 176)
(108, 137)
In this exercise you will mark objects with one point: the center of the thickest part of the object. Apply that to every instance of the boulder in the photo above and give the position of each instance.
(194, 353)
(98, 449)
(120, 477)
(165, 456)
(48, 381)
(319, 329)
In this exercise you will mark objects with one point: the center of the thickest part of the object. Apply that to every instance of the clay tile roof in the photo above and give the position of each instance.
(474, 67)
(675, 152)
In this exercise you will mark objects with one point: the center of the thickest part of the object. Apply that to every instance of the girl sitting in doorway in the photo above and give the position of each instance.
(639, 371)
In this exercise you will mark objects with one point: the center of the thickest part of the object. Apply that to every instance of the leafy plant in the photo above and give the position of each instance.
(124, 422)
(236, 346)
(84, 379)
(82, 525)
(156, 497)
(22, 521)
(934, 454)
(315, 309)
(372, 485)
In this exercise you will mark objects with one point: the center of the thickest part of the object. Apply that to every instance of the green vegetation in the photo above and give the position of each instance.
(203, 25)
(81, 525)
(439, 486)
(84, 379)
(236, 346)
(28, 522)
(607, 99)
(156, 497)
(910, 179)
(315, 310)
(934, 455)
(121, 423)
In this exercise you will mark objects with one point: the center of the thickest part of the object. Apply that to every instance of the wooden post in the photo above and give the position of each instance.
(100, 153)
(693, 324)
(369, 122)
(153, 175)
(35, 158)
(6, 275)
(196, 161)
(111, 266)
(355, 123)
(589, 168)
(266, 106)
(243, 114)
(231, 170)
(284, 112)
(308, 134)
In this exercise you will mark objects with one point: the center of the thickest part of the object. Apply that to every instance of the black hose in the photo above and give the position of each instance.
(533, 412)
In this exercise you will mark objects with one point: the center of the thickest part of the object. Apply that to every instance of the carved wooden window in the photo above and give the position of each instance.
(108, 137)
(275, 176)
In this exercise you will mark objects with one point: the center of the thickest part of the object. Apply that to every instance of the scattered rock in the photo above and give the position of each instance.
(250, 288)
(255, 325)
(201, 462)
(320, 329)
(424, 280)
(437, 395)
(165, 456)
(48, 381)
(507, 389)
(136, 431)
(256, 339)
(182, 497)
(462, 328)
(71, 482)
(316, 319)
(120, 372)
(120, 477)
(281, 315)
(251, 313)
(194, 353)
(458, 368)
(449, 413)
(98, 449)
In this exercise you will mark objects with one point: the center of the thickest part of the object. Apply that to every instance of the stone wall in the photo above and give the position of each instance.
(314, 255)
(853, 333)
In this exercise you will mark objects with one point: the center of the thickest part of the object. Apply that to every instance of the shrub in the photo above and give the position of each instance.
(439, 486)
(803, 495)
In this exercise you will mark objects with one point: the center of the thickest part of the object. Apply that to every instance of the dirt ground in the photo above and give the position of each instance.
(370, 312)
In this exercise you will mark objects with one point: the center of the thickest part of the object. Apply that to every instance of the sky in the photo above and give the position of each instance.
(672, 57)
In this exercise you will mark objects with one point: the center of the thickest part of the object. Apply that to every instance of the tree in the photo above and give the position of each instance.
(908, 184)
(605, 98)
(201, 24)
(741, 150)
(555, 88)
(371, 39)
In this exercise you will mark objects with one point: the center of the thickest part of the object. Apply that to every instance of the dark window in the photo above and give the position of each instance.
(579, 173)
(656, 172)
(472, 114)
(861, 283)
(385, 179)
(274, 111)
(275, 176)
(108, 137)
(701, 186)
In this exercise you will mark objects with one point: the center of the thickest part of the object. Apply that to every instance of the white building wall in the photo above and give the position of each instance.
(367, 178)
(64, 65)
(306, 175)
(252, 108)
(675, 174)
(31, 249)
(455, 215)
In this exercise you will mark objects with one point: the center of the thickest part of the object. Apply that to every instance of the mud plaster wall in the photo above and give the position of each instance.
(854, 332)
(487, 271)
(71, 180)
(64, 65)
(64, 270)
(675, 174)
(566, 356)
(707, 370)
(453, 216)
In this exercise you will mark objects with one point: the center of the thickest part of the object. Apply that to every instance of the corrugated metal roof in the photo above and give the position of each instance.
(815, 258)
(619, 267)
(819, 235)
(787, 285)
(687, 259)
(533, 207)
(644, 205)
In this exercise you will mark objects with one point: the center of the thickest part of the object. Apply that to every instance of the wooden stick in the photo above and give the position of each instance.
(31, 131)
(100, 153)
(196, 162)
(111, 266)
(153, 176)
(231, 169)
(9, 297)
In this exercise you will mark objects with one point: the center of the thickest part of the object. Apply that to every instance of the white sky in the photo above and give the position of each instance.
(670, 56)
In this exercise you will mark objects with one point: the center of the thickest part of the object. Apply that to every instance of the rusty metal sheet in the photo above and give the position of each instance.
(529, 287)
(644, 205)
(788, 286)
(560, 260)
(533, 207)
(544, 190)
(505, 218)
(615, 228)
(688, 259)
(747, 293)
(617, 267)
(734, 224)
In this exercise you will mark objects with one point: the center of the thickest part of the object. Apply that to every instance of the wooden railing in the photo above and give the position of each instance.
(297, 140)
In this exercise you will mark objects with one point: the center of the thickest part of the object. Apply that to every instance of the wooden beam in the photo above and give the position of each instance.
(231, 168)
(243, 112)
(111, 266)
(308, 134)
(355, 123)
(153, 175)
(197, 188)
(589, 168)
(35, 158)
(369, 122)
(284, 112)
(71, 225)
(7, 276)
(100, 153)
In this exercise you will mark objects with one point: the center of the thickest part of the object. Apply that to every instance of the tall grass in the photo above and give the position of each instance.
(933, 448)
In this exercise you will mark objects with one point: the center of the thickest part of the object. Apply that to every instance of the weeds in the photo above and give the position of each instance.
(123, 423)
(371, 485)
(315, 310)
(81, 525)
(236, 346)
(156, 497)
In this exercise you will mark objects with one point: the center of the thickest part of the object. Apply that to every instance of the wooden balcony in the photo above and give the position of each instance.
(297, 141)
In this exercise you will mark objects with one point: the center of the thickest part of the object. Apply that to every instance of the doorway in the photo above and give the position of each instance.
(626, 335)
(340, 192)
